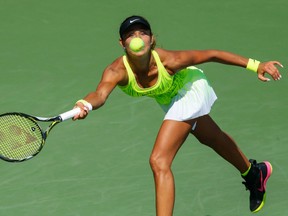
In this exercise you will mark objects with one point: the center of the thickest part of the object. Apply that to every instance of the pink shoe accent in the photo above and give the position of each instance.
(269, 172)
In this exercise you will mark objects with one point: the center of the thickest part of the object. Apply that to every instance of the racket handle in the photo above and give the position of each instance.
(70, 114)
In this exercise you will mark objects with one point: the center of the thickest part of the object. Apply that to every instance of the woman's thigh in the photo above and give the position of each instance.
(171, 136)
(207, 130)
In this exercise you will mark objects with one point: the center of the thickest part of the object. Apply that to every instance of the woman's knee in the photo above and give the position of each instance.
(209, 141)
(159, 164)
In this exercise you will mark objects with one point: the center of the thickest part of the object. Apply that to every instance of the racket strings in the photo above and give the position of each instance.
(20, 137)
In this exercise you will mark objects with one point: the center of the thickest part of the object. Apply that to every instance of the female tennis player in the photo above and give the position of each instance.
(186, 97)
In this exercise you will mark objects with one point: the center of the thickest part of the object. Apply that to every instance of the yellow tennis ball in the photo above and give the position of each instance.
(136, 44)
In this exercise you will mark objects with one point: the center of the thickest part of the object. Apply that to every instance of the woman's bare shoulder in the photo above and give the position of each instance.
(116, 71)
(168, 58)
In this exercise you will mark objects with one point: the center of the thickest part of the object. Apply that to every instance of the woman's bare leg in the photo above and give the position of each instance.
(209, 133)
(171, 136)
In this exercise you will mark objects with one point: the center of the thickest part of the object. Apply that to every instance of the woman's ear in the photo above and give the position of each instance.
(152, 40)
(121, 43)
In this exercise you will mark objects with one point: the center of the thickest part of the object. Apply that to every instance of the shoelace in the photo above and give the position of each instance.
(250, 186)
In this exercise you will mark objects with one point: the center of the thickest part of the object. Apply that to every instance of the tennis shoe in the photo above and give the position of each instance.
(255, 182)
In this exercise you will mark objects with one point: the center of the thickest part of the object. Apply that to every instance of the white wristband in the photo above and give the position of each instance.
(85, 103)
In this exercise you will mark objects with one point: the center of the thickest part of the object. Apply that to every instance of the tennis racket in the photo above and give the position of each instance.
(22, 138)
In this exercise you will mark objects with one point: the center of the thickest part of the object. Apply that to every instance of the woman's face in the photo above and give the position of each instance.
(140, 32)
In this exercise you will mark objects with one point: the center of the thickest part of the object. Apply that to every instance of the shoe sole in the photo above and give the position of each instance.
(269, 172)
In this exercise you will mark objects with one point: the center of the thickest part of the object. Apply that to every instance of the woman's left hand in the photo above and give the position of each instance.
(271, 69)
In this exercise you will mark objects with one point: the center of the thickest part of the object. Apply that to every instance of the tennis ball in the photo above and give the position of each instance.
(136, 44)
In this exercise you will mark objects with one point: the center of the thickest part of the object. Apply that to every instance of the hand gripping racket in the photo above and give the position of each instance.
(22, 138)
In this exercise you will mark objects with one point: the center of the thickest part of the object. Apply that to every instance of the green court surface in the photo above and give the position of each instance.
(52, 53)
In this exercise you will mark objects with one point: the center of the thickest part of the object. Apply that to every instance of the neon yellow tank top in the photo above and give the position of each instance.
(166, 86)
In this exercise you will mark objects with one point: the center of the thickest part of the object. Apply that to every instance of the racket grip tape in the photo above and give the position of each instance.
(75, 111)
(70, 114)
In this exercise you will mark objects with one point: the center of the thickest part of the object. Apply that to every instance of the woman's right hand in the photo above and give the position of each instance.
(83, 113)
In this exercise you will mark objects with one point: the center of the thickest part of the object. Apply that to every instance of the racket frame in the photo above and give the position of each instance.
(54, 121)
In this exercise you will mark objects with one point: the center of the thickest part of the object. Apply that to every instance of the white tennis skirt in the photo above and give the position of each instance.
(193, 100)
